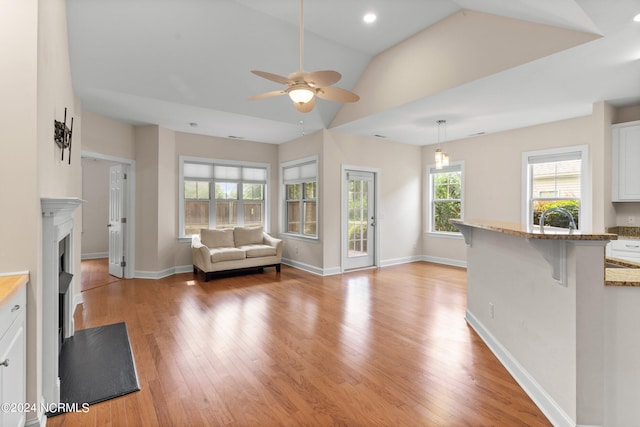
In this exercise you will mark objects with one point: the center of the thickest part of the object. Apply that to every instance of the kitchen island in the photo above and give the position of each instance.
(539, 301)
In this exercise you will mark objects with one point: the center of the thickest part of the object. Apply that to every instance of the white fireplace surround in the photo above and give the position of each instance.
(57, 223)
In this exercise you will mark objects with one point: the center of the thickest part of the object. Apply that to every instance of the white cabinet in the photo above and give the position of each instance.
(626, 162)
(13, 360)
(625, 249)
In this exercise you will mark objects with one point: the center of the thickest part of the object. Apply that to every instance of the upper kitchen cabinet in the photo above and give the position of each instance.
(626, 162)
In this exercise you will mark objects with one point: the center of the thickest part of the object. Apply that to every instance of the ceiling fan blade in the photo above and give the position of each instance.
(307, 107)
(322, 78)
(267, 95)
(337, 94)
(273, 77)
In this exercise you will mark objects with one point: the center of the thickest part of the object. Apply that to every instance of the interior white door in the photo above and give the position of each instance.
(360, 219)
(116, 223)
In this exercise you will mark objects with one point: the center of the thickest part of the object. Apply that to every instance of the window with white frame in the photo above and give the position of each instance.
(300, 189)
(555, 181)
(446, 191)
(219, 194)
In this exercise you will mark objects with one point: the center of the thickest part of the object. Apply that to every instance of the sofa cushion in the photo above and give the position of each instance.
(222, 238)
(226, 254)
(255, 251)
(247, 236)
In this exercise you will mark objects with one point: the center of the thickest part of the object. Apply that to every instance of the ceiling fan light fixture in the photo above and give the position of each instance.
(301, 95)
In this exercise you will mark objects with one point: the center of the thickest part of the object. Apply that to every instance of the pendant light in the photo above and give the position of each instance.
(441, 158)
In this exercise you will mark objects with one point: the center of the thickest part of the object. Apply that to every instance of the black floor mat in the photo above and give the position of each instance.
(96, 365)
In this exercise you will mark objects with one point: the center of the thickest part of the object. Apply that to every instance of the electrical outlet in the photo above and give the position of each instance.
(296, 250)
(491, 310)
(631, 220)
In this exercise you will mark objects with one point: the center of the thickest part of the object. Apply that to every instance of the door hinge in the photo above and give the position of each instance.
(123, 220)
(123, 263)
(124, 176)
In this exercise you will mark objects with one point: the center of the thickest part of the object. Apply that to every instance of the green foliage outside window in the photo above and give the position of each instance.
(556, 219)
(447, 202)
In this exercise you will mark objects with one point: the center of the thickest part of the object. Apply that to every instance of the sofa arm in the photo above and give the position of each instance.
(272, 241)
(200, 254)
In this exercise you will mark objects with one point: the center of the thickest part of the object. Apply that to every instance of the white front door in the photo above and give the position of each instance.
(116, 221)
(359, 215)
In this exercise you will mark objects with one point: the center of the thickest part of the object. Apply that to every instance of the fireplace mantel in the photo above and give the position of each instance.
(59, 206)
(57, 229)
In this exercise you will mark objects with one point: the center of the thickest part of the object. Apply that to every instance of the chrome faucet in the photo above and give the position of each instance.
(572, 223)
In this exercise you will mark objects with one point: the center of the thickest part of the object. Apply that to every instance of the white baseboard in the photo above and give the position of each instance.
(445, 261)
(311, 268)
(540, 397)
(398, 261)
(95, 255)
(77, 300)
(163, 273)
(40, 420)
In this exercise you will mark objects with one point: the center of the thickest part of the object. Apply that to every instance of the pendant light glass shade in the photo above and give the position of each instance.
(442, 159)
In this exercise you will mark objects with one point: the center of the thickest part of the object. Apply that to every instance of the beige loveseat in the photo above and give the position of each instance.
(234, 248)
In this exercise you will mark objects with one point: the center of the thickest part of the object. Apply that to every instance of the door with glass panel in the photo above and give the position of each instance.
(359, 217)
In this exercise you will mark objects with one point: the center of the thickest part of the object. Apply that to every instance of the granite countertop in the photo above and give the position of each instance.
(521, 230)
(622, 277)
(10, 285)
(628, 274)
(625, 232)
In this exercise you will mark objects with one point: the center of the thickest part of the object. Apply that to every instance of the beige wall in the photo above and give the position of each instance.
(305, 251)
(21, 223)
(36, 87)
(103, 135)
(466, 46)
(147, 158)
(399, 202)
(493, 184)
(210, 147)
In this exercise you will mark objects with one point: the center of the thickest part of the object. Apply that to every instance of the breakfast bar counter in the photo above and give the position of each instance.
(538, 300)
(625, 273)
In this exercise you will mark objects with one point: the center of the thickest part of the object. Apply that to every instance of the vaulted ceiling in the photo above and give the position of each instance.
(482, 65)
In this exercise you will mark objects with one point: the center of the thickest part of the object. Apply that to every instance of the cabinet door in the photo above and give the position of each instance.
(626, 163)
(12, 376)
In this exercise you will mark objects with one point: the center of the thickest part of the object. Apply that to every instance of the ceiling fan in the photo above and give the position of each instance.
(304, 87)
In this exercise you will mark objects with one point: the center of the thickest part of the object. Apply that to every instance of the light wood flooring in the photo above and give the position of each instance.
(384, 347)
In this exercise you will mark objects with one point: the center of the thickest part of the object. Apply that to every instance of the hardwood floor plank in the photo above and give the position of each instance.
(381, 347)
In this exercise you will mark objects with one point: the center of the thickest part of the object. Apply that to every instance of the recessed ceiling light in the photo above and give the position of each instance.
(377, 135)
(369, 18)
(637, 18)
(193, 124)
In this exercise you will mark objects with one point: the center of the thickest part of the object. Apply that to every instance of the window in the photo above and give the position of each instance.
(300, 197)
(555, 179)
(445, 198)
(221, 194)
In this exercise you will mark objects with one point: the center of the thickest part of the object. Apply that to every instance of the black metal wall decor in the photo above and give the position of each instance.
(62, 135)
